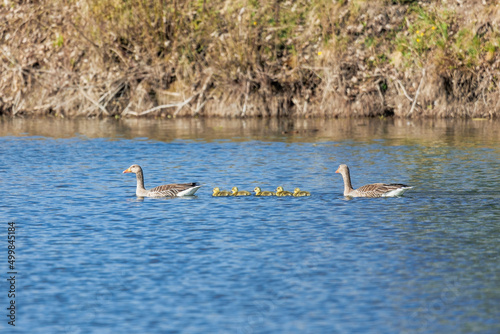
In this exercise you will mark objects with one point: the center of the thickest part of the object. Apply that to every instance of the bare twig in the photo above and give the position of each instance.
(120, 55)
(181, 105)
(381, 95)
(202, 94)
(94, 102)
(316, 68)
(199, 107)
(247, 91)
(418, 91)
(96, 47)
(12, 60)
(15, 106)
(404, 90)
(126, 111)
(110, 94)
(165, 106)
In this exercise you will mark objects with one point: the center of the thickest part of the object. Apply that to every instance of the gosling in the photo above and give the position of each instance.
(299, 193)
(281, 192)
(237, 192)
(259, 192)
(221, 193)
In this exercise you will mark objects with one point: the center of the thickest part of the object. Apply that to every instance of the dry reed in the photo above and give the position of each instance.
(249, 58)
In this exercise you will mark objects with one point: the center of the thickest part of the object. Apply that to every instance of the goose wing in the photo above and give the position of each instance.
(171, 190)
(380, 189)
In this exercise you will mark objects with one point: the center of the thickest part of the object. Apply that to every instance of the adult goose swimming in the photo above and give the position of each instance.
(167, 190)
(370, 190)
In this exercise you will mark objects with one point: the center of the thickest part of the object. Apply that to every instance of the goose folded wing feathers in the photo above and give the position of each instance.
(171, 190)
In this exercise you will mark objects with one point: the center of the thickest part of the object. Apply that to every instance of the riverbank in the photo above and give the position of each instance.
(355, 58)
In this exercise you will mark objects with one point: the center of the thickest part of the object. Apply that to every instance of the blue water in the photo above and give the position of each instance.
(93, 258)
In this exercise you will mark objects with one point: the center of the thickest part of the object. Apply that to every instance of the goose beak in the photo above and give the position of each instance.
(127, 170)
(338, 170)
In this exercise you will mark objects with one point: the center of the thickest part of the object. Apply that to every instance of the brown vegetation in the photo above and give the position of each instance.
(111, 58)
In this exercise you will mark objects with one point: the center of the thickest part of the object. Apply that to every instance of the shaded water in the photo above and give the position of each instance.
(93, 258)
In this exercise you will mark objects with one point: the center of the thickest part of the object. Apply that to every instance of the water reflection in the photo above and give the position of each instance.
(433, 133)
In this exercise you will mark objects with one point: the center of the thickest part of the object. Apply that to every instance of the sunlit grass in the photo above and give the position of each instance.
(269, 50)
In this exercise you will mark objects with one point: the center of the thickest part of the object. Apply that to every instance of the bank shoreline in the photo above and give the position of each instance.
(245, 59)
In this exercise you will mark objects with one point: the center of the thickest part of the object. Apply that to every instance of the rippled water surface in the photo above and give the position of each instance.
(93, 258)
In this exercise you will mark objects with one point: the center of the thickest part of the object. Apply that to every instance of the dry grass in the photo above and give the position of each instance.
(249, 58)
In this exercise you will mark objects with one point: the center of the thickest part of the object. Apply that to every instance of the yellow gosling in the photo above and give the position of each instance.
(237, 192)
(259, 192)
(281, 192)
(299, 193)
(220, 193)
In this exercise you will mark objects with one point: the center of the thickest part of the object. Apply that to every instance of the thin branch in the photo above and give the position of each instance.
(165, 106)
(202, 94)
(380, 93)
(119, 54)
(247, 91)
(404, 90)
(199, 107)
(15, 105)
(94, 102)
(181, 105)
(111, 93)
(126, 111)
(418, 91)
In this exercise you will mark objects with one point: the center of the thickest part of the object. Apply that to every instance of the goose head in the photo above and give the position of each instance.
(133, 169)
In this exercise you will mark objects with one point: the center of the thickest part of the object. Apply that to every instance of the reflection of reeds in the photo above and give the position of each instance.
(427, 132)
(245, 58)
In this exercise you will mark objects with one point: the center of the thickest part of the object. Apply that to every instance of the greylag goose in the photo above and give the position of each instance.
(281, 192)
(370, 190)
(259, 192)
(299, 193)
(167, 190)
(237, 192)
(220, 193)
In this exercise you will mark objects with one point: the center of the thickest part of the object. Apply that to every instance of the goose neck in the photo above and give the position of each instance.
(140, 180)
(347, 182)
